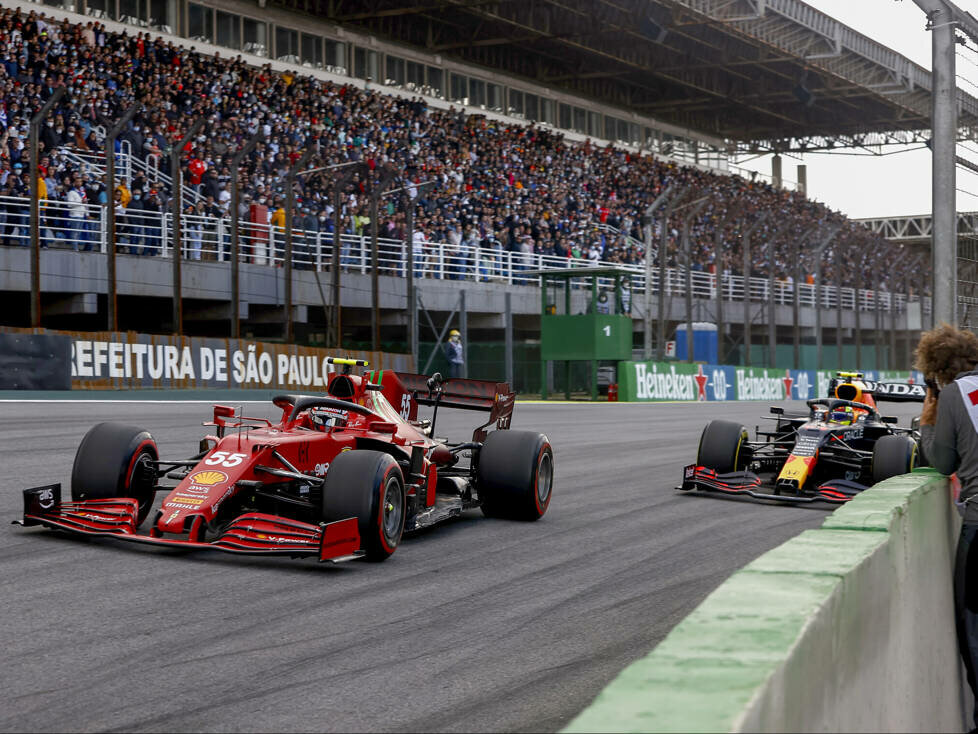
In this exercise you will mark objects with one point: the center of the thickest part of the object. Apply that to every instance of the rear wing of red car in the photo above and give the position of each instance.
(495, 398)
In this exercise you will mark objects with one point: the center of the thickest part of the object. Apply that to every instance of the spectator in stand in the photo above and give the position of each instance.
(278, 230)
(418, 250)
(135, 221)
(119, 209)
(196, 168)
(152, 224)
(307, 225)
(78, 216)
(560, 195)
(195, 232)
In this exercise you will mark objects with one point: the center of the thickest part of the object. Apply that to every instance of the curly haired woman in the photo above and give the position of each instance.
(949, 431)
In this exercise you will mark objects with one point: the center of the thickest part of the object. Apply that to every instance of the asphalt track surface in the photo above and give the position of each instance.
(479, 625)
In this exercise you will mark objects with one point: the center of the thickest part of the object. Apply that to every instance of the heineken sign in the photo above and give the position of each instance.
(651, 381)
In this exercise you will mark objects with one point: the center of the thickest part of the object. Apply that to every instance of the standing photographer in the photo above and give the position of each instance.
(949, 432)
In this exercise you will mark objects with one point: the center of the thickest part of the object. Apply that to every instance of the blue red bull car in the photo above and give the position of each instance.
(336, 477)
(838, 448)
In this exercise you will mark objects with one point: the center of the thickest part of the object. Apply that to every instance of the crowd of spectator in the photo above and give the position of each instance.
(498, 186)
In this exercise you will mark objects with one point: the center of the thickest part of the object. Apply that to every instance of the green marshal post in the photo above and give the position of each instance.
(602, 331)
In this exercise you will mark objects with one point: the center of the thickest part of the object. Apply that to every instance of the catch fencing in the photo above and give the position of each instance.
(146, 233)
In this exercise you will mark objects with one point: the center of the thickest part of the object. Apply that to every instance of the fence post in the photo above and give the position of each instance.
(235, 226)
(289, 212)
(165, 248)
(688, 261)
(177, 207)
(384, 179)
(107, 223)
(463, 324)
(102, 233)
(35, 204)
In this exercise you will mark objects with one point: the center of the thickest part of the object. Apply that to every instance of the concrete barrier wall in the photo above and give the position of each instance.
(849, 627)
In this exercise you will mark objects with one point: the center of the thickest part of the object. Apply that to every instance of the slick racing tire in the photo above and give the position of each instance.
(893, 456)
(723, 447)
(515, 475)
(113, 461)
(369, 486)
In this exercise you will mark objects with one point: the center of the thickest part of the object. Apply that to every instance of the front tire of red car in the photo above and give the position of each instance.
(369, 486)
(113, 461)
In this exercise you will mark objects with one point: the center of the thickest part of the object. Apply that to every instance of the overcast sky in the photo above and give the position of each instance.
(892, 185)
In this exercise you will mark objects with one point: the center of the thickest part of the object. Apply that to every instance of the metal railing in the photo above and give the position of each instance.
(82, 227)
(91, 164)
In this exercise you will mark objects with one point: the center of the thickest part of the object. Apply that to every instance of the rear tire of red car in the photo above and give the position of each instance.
(515, 475)
(369, 486)
(893, 456)
(723, 447)
(112, 461)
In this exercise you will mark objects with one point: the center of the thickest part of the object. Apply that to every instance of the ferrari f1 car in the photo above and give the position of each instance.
(338, 476)
(841, 446)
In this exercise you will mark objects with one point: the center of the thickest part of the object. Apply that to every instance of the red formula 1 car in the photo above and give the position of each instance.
(339, 476)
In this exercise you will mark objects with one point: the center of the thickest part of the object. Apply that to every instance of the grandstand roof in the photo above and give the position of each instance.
(763, 74)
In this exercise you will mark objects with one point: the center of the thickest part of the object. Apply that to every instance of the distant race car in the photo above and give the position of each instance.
(840, 447)
(337, 477)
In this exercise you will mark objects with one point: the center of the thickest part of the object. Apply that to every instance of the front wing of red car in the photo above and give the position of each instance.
(747, 483)
(251, 534)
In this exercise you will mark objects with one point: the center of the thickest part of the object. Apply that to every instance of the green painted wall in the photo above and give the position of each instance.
(586, 336)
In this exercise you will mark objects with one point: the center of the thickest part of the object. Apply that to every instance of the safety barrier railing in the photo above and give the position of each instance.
(92, 165)
(83, 227)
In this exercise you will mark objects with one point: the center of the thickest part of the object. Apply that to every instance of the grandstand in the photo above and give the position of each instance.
(532, 161)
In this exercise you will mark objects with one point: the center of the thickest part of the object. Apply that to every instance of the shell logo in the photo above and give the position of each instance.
(208, 478)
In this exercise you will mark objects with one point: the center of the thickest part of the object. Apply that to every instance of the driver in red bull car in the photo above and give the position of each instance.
(844, 415)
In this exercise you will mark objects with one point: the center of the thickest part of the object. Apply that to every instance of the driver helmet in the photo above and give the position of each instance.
(325, 418)
(843, 415)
